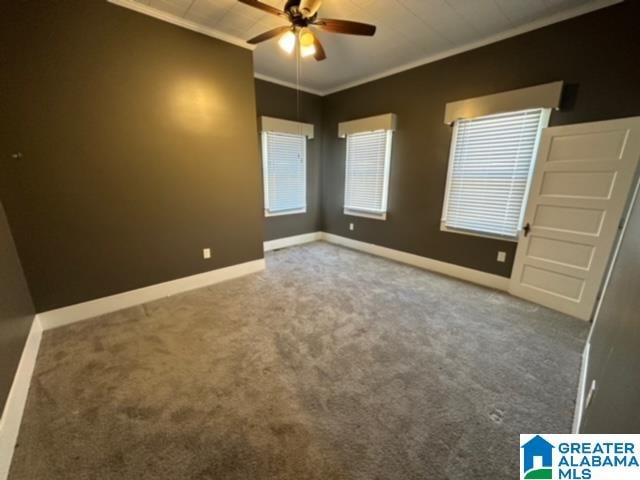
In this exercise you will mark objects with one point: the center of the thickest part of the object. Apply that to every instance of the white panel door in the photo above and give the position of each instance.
(578, 195)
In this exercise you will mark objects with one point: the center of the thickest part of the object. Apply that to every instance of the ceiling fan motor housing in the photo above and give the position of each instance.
(308, 8)
(302, 12)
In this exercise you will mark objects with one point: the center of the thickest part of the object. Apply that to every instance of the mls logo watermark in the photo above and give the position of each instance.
(537, 458)
(579, 457)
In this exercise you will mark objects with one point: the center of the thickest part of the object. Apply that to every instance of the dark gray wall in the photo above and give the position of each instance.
(16, 309)
(614, 361)
(281, 102)
(595, 54)
(139, 149)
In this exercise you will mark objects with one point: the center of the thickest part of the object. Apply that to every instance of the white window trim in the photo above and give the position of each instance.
(352, 212)
(296, 211)
(544, 123)
(374, 214)
(265, 179)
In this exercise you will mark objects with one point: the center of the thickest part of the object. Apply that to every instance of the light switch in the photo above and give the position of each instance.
(502, 257)
(206, 253)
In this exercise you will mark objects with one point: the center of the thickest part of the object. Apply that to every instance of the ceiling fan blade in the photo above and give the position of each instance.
(345, 26)
(264, 7)
(269, 34)
(320, 54)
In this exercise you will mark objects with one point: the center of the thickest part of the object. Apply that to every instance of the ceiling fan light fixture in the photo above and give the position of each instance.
(307, 42)
(287, 42)
(306, 37)
(296, 35)
(307, 51)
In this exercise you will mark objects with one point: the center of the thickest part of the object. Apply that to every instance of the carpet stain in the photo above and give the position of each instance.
(497, 416)
(182, 415)
(139, 413)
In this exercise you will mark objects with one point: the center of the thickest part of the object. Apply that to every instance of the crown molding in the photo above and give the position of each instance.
(182, 22)
(284, 83)
(119, 301)
(535, 25)
(528, 27)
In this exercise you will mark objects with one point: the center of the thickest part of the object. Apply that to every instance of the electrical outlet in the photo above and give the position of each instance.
(206, 253)
(502, 257)
(351, 227)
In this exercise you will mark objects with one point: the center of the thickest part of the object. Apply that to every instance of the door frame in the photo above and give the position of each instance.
(584, 367)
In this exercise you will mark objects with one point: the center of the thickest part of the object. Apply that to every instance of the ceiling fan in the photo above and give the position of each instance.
(302, 14)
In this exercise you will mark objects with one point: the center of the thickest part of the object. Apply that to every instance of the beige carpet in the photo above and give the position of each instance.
(331, 364)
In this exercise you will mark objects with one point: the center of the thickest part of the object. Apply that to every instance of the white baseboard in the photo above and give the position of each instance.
(10, 422)
(470, 275)
(12, 417)
(291, 241)
(582, 385)
(17, 399)
(93, 308)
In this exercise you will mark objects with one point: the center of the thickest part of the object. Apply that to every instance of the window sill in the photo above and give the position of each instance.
(365, 214)
(492, 236)
(286, 212)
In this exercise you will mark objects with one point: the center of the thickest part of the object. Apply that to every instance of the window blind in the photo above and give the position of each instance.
(489, 171)
(284, 163)
(367, 172)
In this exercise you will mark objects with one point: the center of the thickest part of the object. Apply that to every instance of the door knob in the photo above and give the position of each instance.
(526, 229)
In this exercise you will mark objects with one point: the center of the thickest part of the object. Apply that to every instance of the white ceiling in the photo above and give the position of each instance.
(410, 32)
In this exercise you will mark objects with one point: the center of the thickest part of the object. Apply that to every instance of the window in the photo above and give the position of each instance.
(490, 167)
(367, 174)
(284, 161)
